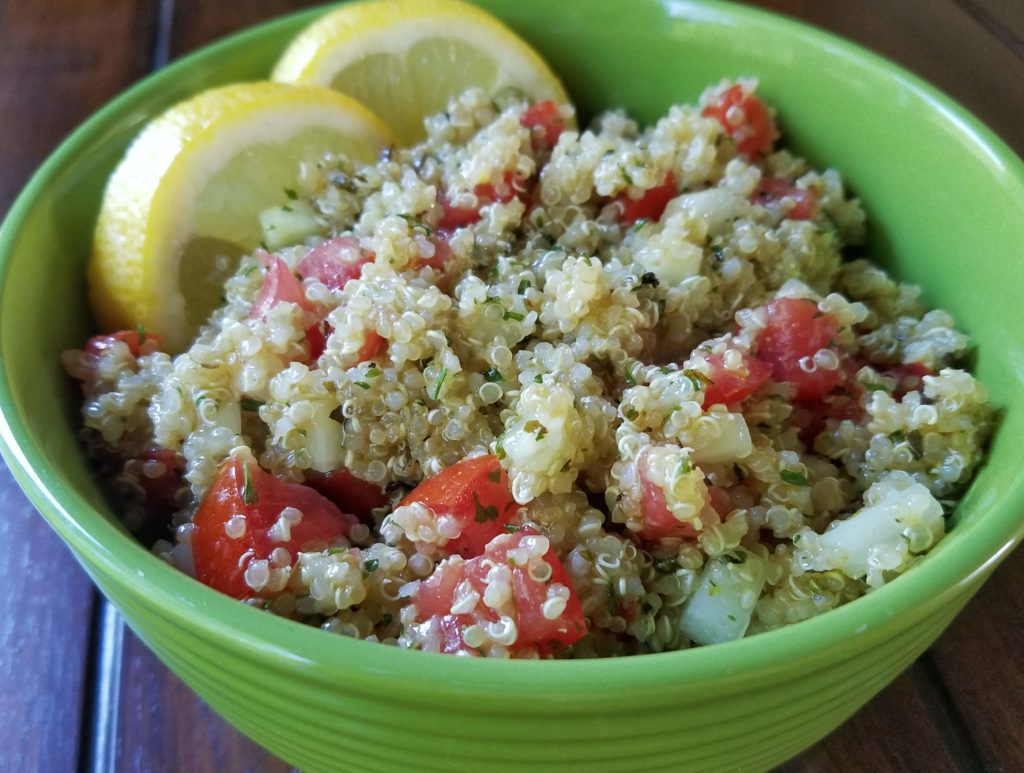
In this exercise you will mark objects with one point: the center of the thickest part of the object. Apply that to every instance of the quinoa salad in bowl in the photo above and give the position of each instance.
(523, 390)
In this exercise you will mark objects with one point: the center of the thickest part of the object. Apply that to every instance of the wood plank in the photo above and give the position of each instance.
(938, 40)
(53, 76)
(979, 661)
(907, 708)
(1003, 18)
(197, 22)
(44, 633)
(159, 724)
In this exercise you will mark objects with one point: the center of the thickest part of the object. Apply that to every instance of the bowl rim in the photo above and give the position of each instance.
(108, 549)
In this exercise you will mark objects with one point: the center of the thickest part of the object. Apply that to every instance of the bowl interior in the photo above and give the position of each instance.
(944, 196)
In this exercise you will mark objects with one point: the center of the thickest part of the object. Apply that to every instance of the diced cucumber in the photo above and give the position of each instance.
(724, 600)
(288, 224)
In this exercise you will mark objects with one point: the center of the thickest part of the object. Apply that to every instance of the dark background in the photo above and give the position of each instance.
(77, 690)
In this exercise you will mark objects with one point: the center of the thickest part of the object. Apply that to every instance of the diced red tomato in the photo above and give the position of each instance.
(335, 262)
(373, 346)
(651, 204)
(658, 520)
(909, 377)
(772, 190)
(486, 193)
(745, 119)
(161, 490)
(442, 251)
(279, 286)
(843, 402)
(720, 500)
(545, 123)
(728, 386)
(351, 494)
(243, 488)
(316, 340)
(476, 493)
(139, 342)
(795, 331)
(436, 595)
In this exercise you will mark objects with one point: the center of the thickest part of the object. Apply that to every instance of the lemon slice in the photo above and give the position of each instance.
(405, 58)
(184, 204)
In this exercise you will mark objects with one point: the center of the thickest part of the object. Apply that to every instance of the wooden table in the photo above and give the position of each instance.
(77, 689)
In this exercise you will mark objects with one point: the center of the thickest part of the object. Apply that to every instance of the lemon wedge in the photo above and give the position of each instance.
(404, 59)
(184, 203)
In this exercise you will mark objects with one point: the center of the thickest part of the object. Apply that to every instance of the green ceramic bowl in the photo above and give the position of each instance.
(946, 200)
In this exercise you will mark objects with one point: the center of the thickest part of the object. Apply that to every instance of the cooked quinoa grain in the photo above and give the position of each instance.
(620, 392)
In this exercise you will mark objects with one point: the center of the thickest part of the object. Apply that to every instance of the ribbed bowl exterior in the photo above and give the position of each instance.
(325, 726)
(331, 703)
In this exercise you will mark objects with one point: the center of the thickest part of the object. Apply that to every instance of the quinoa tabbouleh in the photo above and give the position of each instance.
(524, 391)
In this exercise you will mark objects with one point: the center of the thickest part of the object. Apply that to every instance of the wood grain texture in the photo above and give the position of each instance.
(52, 75)
(44, 635)
(938, 40)
(56, 67)
(163, 726)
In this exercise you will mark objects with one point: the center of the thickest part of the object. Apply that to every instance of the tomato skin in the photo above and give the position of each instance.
(545, 123)
(909, 377)
(221, 561)
(435, 596)
(351, 494)
(279, 286)
(771, 190)
(727, 386)
(373, 346)
(335, 262)
(752, 136)
(458, 217)
(796, 329)
(650, 205)
(138, 344)
(475, 492)
(658, 520)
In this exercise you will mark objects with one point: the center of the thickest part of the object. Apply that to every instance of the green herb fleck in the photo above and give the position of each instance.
(291, 194)
(413, 223)
(698, 379)
(248, 404)
(875, 388)
(639, 224)
(250, 268)
(739, 558)
(513, 315)
(796, 538)
(249, 495)
(685, 467)
(541, 433)
(140, 331)
(794, 478)
(335, 551)
(625, 174)
(374, 372)
(630, 413)
(364, 385)
(628, 377)
(483, 514)
(511, 527)
(714, 590)
(524, 285)
(493, 376)
(538, 378)
(499, 450)
(370, 565)
(439, 383)
(732, 617)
